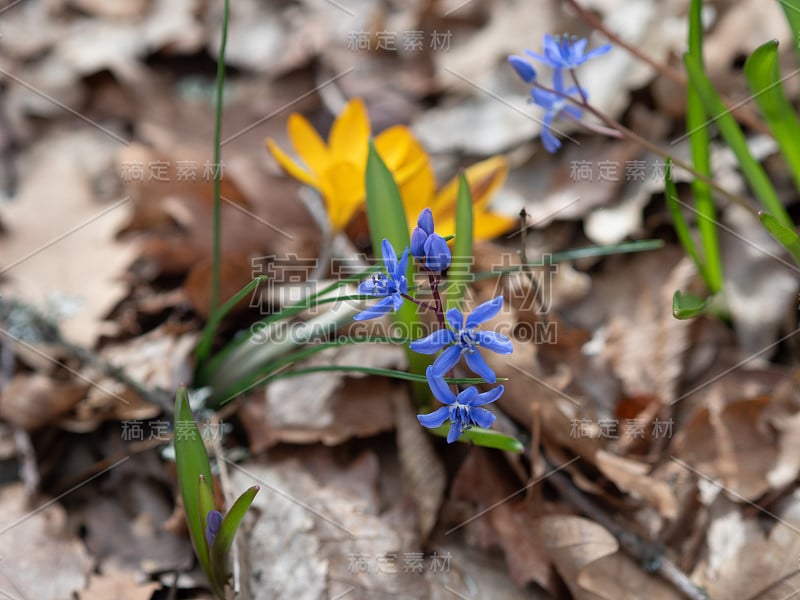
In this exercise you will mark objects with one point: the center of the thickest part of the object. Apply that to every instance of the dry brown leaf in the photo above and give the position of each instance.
(423, 471)
(60, 244)
(39, 559)
(732, 443)
(632, 477)
(494, 519)
(572, 543)
(33, 401)
(619, 577)
(328, 407)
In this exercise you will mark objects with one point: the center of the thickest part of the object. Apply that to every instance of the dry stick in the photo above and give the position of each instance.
(649, 554)
(744, 114)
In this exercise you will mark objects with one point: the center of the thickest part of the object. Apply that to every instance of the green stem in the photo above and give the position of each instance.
(217, 241)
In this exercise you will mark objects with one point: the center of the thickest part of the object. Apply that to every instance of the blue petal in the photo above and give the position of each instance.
(477, 364)
(496, 342)
(376, 310)
(484, 312)
(578, 48)
(573, 111)
(523, 68)
(551, 143)
(488, 397)
(434, 342)
(425, 221)
(454, 433)
(389, 257)
(367, 287)
(400, 272)
(482, 417)
(468, 396)
(434, 419)
(440, 389)
(558, 81)
(546, 60)
(597, 51)
(213, 523)
(543, 98)
(418, 238)
(437, 254)
(455, 318)
(446, 360)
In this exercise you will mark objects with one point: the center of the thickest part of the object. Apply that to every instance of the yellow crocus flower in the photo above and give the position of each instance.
(337, 170)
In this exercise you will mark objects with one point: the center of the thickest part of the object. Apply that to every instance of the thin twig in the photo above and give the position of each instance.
(650, 555)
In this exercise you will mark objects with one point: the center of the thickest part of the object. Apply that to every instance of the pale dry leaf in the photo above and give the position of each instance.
(38, 558)
(304, 538)
(60, 245)
(119, 586)
(619, 577)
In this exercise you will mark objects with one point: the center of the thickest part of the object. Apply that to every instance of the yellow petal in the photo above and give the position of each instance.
(290, 166)
(489, 225)
(393, 146)
(349, 137)
(308, 145)
(484, 179)
(343, 191)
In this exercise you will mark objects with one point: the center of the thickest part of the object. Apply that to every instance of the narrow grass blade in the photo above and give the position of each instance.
(688, 306)
(762, 70)
(458, 275)
(221, 548)
(788, 238)
(680, 224)
(699, 142)
(488, 438)
(379, 371)
(733, 136)
(192, 463)
(204, 346)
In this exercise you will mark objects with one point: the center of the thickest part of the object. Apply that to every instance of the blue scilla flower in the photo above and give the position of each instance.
(563, 52)
(213, 523)
(523, 68)
(463, 410)
(392, 285)
(465, 339)
(555, 104)
(429, 246)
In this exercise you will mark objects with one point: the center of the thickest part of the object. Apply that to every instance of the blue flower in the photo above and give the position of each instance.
(555, 104)
(392, 285)
(213, 523)
(561, 52)
(463, 410)
(428, 245)
(523, 68)
(464, 339)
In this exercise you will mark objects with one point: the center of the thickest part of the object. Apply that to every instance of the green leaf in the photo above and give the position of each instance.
(387, 220)
(458, 275)
(204, 346)
(488, 438)
(788, 238)
(192, 464)
(220, 549)
(378, 371)
(791, 9)
(762, 70)
(688, 306)
(733, 136)
(679, 222)
(699, 143)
